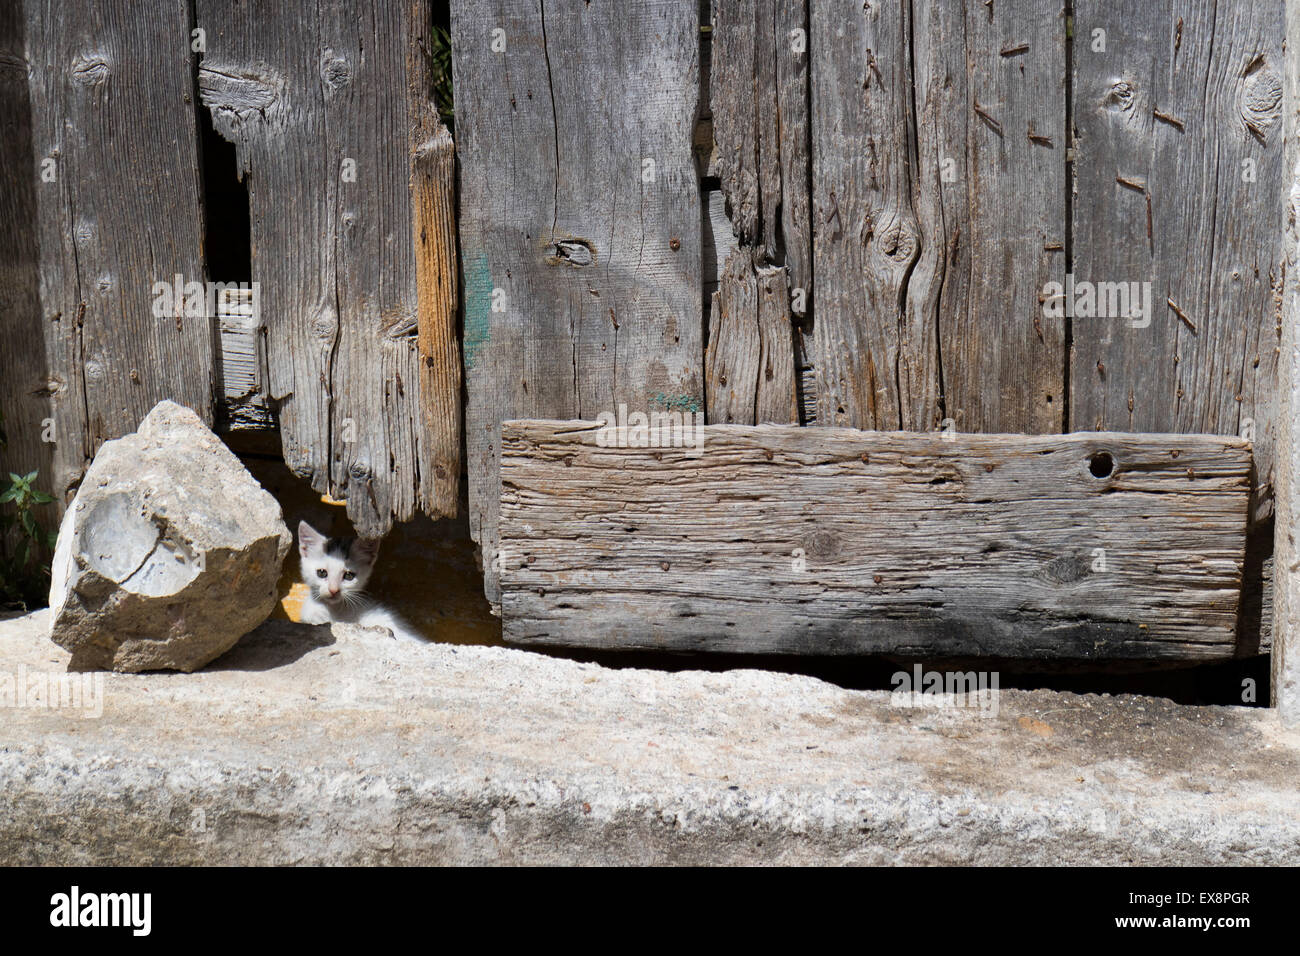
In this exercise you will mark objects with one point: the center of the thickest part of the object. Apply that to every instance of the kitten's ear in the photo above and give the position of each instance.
(366, 550)
(309, 539)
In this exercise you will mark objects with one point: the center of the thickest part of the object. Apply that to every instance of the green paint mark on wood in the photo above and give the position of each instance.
(478, 307)
(682, 403)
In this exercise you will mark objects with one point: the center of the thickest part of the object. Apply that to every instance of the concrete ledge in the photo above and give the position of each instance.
(302, 746)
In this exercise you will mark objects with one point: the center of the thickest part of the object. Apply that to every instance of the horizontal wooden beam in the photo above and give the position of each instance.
(781, 539)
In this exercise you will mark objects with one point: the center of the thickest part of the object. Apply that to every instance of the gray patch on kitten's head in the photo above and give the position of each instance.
(336, 569)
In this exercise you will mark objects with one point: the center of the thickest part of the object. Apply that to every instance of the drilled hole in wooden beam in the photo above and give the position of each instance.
(1101, 464)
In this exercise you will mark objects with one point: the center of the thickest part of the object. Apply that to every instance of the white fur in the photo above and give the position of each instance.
(334, 598)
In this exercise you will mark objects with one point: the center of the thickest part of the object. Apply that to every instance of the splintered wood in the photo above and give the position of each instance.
(349, 243)
(776, 539)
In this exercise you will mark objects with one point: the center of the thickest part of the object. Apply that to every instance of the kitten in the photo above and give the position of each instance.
(336, 570)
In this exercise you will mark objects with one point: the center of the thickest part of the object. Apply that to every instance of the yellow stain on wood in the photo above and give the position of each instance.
(291, 604)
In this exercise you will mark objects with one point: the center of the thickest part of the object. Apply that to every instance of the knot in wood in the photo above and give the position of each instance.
(573, 252)
(325, 326)
(335, 71)
(821, 544)
(1066, 569)
(1261, 102)
(91, 69)
(1119, 98)
(899, 242)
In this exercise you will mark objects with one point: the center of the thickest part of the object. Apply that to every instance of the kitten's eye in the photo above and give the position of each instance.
(349, 575)
(321, 572)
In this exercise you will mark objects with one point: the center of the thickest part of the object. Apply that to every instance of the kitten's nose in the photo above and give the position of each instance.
(334, 592)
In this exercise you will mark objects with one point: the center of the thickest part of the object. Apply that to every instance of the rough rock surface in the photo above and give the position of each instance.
(169, 554)
(304, 745)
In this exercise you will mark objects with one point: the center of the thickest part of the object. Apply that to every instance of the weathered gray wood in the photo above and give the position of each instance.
(24, 374)
(874, 342)
(780, 539)
(579, 218)
(758, 93)
(749, 366)
(1285, 590)
(1180, 183)
(719, 240)
(243, 360)
(319, 104)
(758, 89)
(990, 202)
(938, 181)
(112, 108)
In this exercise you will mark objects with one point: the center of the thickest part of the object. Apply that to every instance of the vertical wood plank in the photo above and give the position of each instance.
(749, 372)
(758, 90)
(25, 392)
(874, 346)
(990, 195)
(319, 107)
(433, 195)
(1179, 183)
(243, 362)
(112, 105)
(580, 220)
(1285, 610)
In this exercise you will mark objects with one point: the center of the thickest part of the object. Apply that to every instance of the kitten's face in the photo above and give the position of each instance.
(335, 568)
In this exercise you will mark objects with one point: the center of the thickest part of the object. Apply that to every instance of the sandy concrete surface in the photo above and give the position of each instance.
(304, 745)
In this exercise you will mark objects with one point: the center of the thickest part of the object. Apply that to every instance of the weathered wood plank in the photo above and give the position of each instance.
(718, 240)
(874, 344)
(1285, 579)
(758, 93)
(749, 366)
(580, 220)
(758, 89)
(1180, 184)
(24, 373)
(433, 192)
(243, 360)
(779, 539)
(113, 114)
(319, 106)
(990, 202)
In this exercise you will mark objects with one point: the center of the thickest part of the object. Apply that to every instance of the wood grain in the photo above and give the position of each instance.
(244, 375)
(111, 94)
(433, 193)
(874, 343)
(758, 90)
(779, 539)
(990, 203)
(319, 106)
(758, 101)
(749, 365)
(581, 262)
(26, 386)
(1185, 98)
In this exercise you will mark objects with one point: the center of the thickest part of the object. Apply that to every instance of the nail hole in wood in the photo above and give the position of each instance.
(1100, 465)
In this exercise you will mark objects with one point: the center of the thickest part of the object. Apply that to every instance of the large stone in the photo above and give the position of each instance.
(169, 554)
